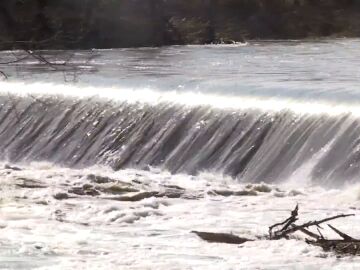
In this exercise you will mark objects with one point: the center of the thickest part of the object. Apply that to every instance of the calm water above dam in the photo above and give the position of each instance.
(325, 70)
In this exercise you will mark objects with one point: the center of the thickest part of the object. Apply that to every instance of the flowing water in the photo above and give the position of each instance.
(280, 120)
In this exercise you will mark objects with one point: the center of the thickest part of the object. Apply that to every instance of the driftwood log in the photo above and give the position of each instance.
(221, 238)
(282, 230)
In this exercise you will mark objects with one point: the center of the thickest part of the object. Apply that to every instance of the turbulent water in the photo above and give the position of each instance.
(285, 114)
(250, 144)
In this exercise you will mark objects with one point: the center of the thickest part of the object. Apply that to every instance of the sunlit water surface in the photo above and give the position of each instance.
(40, 231)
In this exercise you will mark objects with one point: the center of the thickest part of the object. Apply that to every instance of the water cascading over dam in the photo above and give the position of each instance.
(252, 144)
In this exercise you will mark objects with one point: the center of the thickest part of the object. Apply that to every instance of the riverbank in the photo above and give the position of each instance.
(64, 24)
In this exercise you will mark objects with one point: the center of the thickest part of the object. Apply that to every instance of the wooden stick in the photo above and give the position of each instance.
(311, 234)
(307, 225)
(321, 236)
(343, 235)
(287, 222)
(4, 74)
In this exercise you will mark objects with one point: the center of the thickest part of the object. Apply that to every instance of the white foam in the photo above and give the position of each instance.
(155, 233)
(153, 97)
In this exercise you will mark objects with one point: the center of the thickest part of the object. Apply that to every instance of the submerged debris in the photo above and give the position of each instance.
(227, 193)
(14, 168)
(289, 226)
(29, 183)
(137, 197)
(347, 246)
(174, 187)
(221, 238)
(42, 202)
(171, 194)
(262, 187)
(118, 189)
(98, 179)
(249, 190)
(340, 247)
(61, 196)
(282, 230)
(85, 190)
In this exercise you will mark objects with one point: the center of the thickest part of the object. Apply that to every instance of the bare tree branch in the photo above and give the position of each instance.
(14, 61)
(293, 218)
(343, 235)
(295, 228)
(4, 75)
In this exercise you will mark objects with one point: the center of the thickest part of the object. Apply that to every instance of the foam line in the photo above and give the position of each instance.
(153, 97)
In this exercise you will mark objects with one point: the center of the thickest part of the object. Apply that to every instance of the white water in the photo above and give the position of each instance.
(153, 97)
(155, 233)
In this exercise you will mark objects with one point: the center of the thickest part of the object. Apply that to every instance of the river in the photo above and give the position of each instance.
(83, 132)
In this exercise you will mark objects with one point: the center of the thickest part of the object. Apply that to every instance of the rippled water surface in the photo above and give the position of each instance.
(325, 70)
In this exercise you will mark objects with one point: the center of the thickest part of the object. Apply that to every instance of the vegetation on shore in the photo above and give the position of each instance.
(67, 24)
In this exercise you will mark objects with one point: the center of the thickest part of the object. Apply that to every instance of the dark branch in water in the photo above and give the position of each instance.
(4, 75)
(14, 61)
(347, 246)
(294, 228)
(311, 234)
(41, 59)
(343, 235)
(290, 226)
(293, 218)
(61, 62)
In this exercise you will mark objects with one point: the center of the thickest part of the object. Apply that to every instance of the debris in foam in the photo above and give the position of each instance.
(282, 230)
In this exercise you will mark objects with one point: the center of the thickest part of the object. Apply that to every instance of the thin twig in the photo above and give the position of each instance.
(321, 235)
(311, 234)
(293, 218)
(343, 235)
(4, 75)
(308, 224)
(14, 61)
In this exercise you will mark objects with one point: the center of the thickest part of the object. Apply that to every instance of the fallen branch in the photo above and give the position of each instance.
(343, 235)
(295, 228)
(4, 75)
(14, 61)
(341, 247)
(288, 222)
(346, 246)
(311, 234)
